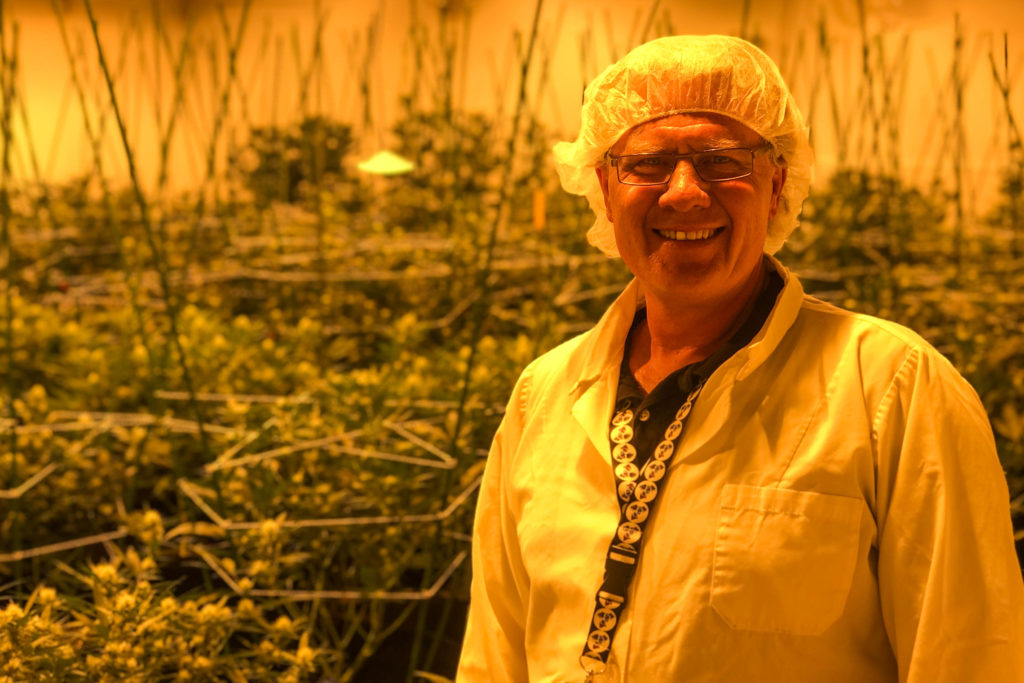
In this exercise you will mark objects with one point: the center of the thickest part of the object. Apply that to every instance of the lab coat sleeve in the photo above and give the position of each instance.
(493, 649)
(950, 583)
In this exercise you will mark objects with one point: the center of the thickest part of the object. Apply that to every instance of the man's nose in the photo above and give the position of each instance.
(686, 190)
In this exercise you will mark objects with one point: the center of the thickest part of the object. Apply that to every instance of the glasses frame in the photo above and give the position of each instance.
(614, 160)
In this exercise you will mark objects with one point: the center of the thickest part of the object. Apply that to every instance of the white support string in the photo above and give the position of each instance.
(425, 594)
(52, 548)
(19, 491)
(193, 493)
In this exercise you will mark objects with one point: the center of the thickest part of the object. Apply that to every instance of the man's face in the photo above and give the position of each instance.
(692, 238)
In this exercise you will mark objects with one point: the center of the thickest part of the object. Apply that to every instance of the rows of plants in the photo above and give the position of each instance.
(247, 449)
(261, 473)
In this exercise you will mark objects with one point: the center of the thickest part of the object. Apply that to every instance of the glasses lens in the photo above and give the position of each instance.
(723, 164)
(646, 169)
(712, 165)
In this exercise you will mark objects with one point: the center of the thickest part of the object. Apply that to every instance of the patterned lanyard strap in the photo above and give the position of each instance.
(637, 489)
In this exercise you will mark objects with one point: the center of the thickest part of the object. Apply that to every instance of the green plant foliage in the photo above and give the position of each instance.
(458, 167)
(292, 164)
(1007, 215)
(310, 345)
(133, 628)
(863, 219)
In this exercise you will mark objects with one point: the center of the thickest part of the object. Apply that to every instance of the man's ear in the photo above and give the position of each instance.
(602, 177)
(778, 182)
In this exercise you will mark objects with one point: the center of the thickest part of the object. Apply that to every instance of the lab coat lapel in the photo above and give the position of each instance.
(593, 411)
(594, 391)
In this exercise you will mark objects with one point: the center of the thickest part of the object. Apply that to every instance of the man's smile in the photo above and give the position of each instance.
(692, 235)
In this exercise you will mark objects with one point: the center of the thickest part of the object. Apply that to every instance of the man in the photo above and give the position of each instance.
(726, 479)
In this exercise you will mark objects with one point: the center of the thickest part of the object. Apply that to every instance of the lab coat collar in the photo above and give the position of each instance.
(602, 349)
(783, 315)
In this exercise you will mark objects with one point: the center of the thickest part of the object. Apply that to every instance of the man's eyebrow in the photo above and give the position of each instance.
(652, 146)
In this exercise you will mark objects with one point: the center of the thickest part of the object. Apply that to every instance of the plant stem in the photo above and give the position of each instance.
(481, 306)
(178, 98)
(158, 260)
(649, 24)
(1015, 157)
(218, 124)
(6, 86)
(959, 146)
(131, 275)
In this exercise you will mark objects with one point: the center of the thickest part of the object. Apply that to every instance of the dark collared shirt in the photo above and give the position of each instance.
(657, 409)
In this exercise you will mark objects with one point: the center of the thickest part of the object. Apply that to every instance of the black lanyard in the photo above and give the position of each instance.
(638, 487)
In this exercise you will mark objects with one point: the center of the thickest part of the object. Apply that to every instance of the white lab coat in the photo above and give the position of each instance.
(835, 512)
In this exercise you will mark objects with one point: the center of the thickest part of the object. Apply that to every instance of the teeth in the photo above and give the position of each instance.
(698, 235)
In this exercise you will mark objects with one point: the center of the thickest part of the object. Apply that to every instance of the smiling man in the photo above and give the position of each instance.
(727, 480)
(692, 233)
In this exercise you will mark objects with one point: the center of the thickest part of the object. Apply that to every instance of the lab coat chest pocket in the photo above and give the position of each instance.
(784, 560)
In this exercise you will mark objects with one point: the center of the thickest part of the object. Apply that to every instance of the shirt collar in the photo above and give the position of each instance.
(602, 350)
(693, 374)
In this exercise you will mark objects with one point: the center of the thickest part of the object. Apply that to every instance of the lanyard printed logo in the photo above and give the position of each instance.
(637, 487)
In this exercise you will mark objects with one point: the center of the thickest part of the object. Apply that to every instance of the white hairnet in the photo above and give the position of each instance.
(678, 74)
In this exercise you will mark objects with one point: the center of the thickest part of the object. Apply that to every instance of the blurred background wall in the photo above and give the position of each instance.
(878, 78)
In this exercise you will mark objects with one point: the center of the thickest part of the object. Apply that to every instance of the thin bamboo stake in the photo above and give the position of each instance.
(58, 129)
(28, 484)
(297, 447)
(392, 457)
(416, 43)
(825, 73)
(193, 493)
(241, 398)
(959, 147)
(303, 595)
(53, 548)
(1003, 84)
(399, 429)
(257, 69)
(84, 420)
(938, 120)
(7, 69)
(1015, 149)
(128, 266)
(427, 271)
(613, 48)
(649, 24)
(192, 114)
(177, 100)
(544, 82)
(159, 35)
(220, 115)
(868, 85)
(461, 76)
(43, 203)
(447, 45)
(139, 68)
(158, 260)
(893, 102)
(365, 80)
(117, 71)
(306, 75)
(483, 286)
(745, 21)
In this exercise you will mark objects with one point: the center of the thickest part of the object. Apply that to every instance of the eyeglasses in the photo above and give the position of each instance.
(711, 165)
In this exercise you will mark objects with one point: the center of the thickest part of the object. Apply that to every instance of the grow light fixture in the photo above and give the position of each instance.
(386, 163)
